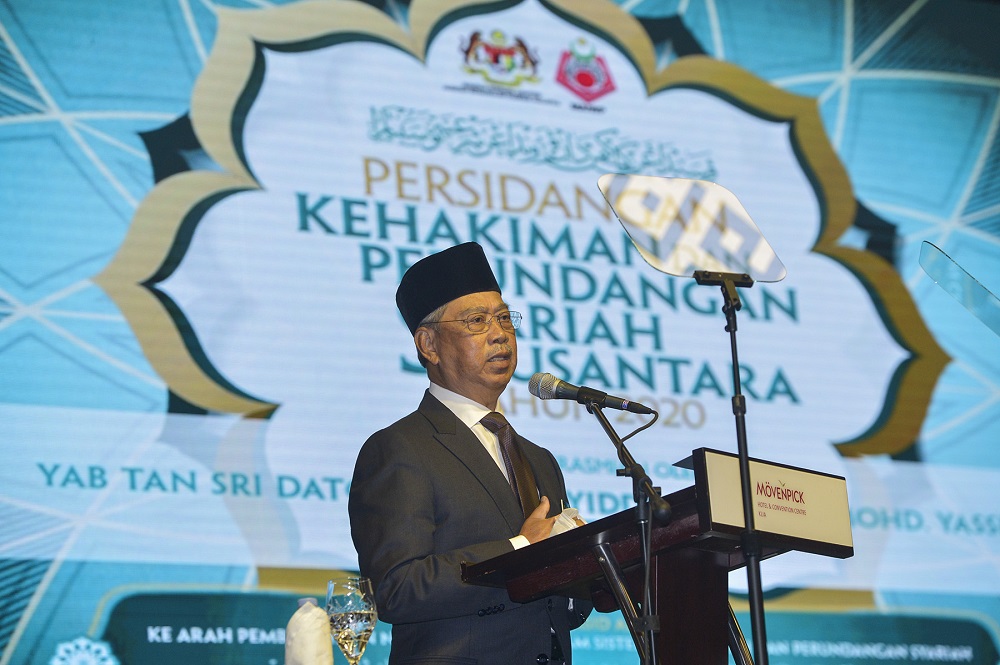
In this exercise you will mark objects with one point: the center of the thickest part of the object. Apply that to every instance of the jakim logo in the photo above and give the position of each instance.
(583, 72)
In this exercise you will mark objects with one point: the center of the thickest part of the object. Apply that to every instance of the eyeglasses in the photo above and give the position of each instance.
(480, 323)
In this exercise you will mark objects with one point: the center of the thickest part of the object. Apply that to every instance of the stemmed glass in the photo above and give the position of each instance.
(350, 604)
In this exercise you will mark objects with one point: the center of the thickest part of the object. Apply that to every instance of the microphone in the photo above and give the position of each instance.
(545, 386)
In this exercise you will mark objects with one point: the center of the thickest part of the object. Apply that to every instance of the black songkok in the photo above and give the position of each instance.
(440, 278)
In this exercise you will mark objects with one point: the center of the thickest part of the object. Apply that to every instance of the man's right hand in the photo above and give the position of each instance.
(538, 526)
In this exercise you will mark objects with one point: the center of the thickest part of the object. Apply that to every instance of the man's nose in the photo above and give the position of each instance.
(497, 331)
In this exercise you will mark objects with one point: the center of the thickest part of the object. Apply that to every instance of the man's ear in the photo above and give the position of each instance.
(426, 343)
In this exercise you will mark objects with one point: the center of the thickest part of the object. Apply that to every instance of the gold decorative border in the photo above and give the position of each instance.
(216, 100)
(913, 386)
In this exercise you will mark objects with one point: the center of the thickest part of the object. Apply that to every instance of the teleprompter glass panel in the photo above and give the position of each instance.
(681, 226)
(960, 285)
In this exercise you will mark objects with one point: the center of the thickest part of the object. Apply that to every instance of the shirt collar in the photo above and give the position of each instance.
(468, 411)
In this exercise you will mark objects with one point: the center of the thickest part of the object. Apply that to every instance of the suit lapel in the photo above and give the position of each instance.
(463, 444)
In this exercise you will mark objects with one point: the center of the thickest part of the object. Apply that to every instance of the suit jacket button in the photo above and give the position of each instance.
(481, 613)
(542, 659)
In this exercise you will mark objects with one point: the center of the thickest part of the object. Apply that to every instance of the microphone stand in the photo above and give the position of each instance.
(749, 540)
(647, 500)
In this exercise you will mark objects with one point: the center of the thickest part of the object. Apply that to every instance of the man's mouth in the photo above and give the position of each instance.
(501, 356)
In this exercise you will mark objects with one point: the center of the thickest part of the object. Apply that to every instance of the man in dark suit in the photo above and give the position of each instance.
(433, 489)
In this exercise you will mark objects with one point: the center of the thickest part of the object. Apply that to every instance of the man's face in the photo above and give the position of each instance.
(477, 366)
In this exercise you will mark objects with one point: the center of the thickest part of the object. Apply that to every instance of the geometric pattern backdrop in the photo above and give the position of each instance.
(94, 111)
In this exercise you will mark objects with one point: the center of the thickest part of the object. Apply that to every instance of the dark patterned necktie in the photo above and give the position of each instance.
(522, 480)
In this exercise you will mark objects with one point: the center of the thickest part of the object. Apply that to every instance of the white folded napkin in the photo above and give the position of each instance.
(568, 519)
(307, 637)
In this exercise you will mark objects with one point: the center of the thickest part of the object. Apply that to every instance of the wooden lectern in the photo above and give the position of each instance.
(691, 555)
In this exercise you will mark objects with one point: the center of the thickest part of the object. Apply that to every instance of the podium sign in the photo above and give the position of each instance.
(806, 509)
